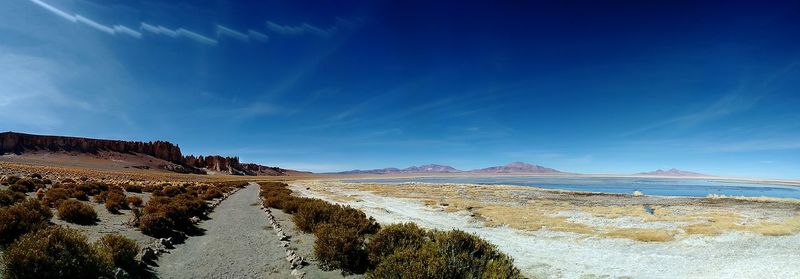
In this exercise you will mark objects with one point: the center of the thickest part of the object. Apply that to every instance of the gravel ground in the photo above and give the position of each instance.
(236, 244)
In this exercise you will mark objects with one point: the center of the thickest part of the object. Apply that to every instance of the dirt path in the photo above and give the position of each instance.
(235, 245)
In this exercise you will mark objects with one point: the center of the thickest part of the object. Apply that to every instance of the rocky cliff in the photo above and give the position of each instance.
(18, 143)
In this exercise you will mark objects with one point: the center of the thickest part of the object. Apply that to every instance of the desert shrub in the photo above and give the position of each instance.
(11, 180)
(312, 213)
(47, 181)
(8, 197)
(76, 212)
(340, 247)
(151, 188)
(79, 195)
(134, 201)
(133, 188)
(119, 250)
(35, 175)
(100, 197)
(54, 252)
(155, 224)
(115, 200)
(24, 185)
(172, 191)
(18, 188)
(393, 238)
(468, 255)
(427, 261)
(26, 216)
(211, 194)
(68, 180)
(91, 188)
(53, 196)
(172, 213)
(353, 218)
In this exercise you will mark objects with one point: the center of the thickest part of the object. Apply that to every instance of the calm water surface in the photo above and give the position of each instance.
(648, 186)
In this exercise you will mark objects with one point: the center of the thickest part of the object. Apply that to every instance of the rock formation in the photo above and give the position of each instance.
(18, 143)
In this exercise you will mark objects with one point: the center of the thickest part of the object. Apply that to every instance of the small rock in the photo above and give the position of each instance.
(120, 273)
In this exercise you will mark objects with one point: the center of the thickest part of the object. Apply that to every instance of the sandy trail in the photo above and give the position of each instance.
(235, 245)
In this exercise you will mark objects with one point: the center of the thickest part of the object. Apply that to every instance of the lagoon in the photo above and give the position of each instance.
(625, 185)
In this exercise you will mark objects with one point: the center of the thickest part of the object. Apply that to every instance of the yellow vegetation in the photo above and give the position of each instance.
(510, 206)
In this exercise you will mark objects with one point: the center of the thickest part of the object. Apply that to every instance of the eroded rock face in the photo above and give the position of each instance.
(11, 142)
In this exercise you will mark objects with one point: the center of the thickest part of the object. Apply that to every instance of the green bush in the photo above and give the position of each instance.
(393, 238)
(119, 250)
(468, 256)
(312, 213)
(353, 218)
(54, 196)
(339, 247)
(26, 216)
(8, 197)
(54, 252)
(76, 212)
(424, 262)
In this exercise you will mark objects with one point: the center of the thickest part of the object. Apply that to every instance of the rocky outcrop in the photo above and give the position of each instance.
(231, 165)
(18, 143)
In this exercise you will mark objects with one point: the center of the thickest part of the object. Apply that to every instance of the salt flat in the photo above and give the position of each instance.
(736, 252)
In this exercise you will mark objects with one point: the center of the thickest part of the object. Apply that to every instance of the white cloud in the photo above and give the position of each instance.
(94, 24)
(89, 22)
(127, 31)
(305, 28)
(221, 31)
(54, 10)
(180, 32)
(251, 35)
(225, 31)
(258, 36)
(196, 37)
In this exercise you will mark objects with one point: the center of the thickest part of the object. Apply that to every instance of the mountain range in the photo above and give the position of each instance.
(515, 167)
(671, 172)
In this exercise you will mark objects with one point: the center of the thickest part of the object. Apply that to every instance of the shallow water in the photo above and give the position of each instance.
(648, 186)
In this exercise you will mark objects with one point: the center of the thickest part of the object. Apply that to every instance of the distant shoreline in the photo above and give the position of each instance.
(783, 182)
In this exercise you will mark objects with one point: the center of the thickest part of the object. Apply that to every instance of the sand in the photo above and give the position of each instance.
(546, 253)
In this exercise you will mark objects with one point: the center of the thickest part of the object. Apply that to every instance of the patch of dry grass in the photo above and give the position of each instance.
(510, 206)
(644, 235)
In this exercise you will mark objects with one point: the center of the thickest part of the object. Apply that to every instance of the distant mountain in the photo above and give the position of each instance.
(517, 167)
(671, 172)
(430, 168)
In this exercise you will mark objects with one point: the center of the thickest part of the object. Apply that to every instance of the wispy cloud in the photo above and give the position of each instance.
(251, 35)
(111, 30)
(305, 28)
(221, 31)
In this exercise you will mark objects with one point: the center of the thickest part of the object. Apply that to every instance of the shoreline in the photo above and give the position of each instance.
(562, 234)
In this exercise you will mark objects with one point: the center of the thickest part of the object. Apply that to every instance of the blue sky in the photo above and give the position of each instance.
(581, 86)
